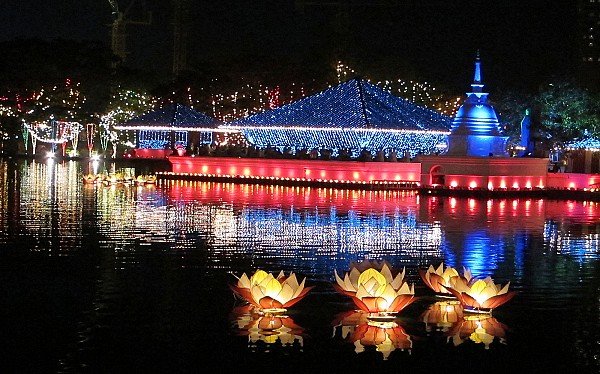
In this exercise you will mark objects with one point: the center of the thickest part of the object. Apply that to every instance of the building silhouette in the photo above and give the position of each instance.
(589, 42)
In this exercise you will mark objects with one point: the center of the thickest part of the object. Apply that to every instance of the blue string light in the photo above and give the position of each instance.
(354, 115)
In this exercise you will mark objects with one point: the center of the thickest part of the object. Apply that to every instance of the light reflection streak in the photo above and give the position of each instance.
(49, 205)
(308, 229)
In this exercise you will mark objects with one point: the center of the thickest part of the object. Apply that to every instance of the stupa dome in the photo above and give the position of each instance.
(476, 116)
(475, 129)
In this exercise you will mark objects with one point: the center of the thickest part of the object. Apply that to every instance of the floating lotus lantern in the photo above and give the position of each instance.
(271, 294)
(442, 315)
(480, 295)
(480, 330)
(438, 279)
(376, 292)
(386, 336)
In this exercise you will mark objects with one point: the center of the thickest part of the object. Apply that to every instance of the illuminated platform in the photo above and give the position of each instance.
(392, 175)
(460, 176)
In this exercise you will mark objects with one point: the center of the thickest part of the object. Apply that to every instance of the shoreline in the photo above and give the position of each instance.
(443, 191)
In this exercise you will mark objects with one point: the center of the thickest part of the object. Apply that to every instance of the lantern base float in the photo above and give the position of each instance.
(273, 311)
(381, 317)
(471, 310)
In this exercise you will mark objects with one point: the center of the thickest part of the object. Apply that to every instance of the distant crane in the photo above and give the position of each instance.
(181, 20)
(120, 20)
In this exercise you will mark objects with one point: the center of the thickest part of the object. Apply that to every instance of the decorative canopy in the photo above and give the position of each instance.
(355, 116)
(174, 117)
(355, 104)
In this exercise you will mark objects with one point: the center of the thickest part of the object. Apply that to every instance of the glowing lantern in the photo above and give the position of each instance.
(374, 291)
(438, 279)
(270, 294)
(480, 295)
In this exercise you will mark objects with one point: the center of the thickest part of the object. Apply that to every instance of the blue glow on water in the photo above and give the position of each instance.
(94, 270)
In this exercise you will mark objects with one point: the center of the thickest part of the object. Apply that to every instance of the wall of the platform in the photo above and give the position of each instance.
(483, 172)
(305, 169)
(152, 153)
(573, 180)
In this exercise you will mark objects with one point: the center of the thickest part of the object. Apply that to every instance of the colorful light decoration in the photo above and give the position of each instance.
(53, 131)
(47, 126)
(439, 278)
(162, 127)
(375, 291)
(480, 295)
(271, 294)
(354, 115)
(588, 144)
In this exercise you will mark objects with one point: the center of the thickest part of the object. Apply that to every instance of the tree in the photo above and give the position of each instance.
(567, 112)
(561, 111)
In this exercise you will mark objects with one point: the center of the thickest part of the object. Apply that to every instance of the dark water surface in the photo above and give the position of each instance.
(116, 279)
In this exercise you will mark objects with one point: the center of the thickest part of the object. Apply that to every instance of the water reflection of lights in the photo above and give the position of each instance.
(303, 225)
(385, 337)
(49, 204)
(560, 239)
(479, 330)
(442, 316)
(267, 331)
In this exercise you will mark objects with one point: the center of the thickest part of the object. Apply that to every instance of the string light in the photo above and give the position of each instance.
(354, 115)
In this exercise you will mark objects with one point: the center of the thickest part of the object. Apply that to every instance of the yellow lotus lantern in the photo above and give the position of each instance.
(271, 294)
(480, 295)
(439, 278)
(377, 292)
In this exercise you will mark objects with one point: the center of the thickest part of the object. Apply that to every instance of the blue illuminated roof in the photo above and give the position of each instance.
(175, 115)
(355, 104)
(588, 143)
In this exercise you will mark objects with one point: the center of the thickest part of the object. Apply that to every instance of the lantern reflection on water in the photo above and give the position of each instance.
(442, 315)
(386, 337)
(480, 329)
(376, 292)
(267, 328)
(272, 295)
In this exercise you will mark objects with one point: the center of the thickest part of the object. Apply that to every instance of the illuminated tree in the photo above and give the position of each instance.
(560, 112)
(54, 114)
(124, 105)
(567, 112)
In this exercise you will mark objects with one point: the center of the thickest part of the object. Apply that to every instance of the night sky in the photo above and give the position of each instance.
(522, 43)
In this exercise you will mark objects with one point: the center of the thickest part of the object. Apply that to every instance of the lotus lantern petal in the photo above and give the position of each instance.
(439, 278)
(270, 293)
(480, 294)
(376, 291)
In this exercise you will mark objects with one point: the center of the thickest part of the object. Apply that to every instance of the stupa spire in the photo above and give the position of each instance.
(477, 85)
